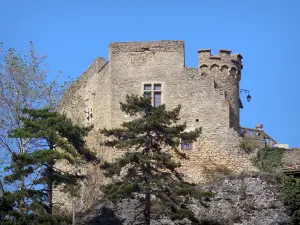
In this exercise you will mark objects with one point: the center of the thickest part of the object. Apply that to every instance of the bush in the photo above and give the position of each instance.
(269, 159)
(248, 144)
(291, 197)
(213, 171)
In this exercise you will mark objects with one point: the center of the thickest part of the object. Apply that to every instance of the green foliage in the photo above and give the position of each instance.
(291, 197)
(56, 138)
(6, 205)
(248, 144)
(269, 159)
(106, 217)
(147, 172)
(36, 215)
(24, 83)
(213, 171)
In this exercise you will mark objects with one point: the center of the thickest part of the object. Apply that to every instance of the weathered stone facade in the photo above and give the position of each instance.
(209, 96)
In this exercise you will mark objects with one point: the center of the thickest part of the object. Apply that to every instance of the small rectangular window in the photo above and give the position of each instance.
(186, 146)
(157, 99)
(154, 92)
(147, 87)
(157, 87)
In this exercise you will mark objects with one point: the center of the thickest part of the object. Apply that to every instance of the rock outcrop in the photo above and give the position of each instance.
(242, 199)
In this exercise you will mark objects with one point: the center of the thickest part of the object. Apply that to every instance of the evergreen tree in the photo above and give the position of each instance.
(24, 83)
(56, 138)
(6, 205)
(151, 174)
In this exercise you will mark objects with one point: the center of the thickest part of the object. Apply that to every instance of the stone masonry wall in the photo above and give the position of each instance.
(291, 158)
(205, 94)
(209, 96)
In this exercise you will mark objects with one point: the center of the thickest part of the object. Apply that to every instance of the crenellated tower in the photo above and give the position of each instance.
(225, 68)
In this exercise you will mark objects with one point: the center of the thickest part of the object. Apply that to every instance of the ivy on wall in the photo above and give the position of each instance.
(269, 159)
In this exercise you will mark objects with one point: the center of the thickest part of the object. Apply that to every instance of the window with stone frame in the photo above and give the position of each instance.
(186, 145)
(153, 91)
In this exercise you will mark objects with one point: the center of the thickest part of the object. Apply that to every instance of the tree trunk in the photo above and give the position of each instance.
(147, 211)
(50, 182)
(50, 188)
(147, 173)
(22, 201)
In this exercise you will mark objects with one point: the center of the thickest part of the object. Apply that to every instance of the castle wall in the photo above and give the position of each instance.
(209, 96)
(291, 158)
(78, 97)
(132, 64)
(88, 101)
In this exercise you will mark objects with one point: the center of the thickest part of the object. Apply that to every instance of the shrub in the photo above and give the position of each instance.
(291, 197)
(248, 144)
(269, 159)
(213, 171)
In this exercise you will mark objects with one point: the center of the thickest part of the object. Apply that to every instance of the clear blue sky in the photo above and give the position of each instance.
(265, 32)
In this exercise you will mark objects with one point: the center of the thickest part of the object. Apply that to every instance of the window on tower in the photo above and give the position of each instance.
(154, 92)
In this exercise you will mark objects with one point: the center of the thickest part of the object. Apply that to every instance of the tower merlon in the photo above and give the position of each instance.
(224, 57)
(237, 57)
(224, 53)
(204, 53)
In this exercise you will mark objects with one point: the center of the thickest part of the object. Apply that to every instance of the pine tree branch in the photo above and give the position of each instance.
(37, 174)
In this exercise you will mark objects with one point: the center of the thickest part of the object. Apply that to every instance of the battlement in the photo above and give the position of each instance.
(224, 57)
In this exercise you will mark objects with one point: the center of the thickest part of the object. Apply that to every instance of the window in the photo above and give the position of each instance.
(153, 91)
(186, 145)
(157, 99)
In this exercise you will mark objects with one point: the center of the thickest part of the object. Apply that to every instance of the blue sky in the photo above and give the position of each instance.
(267, 34)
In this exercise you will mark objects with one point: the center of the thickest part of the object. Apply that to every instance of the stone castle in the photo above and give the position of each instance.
(209, 96)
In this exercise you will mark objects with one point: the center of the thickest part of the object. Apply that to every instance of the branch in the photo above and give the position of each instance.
(38, 172)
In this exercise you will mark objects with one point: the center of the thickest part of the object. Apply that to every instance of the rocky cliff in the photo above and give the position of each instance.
(242, 199)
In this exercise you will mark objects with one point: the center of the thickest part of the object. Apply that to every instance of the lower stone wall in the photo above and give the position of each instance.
(291, 157)
(214, 156)
(210, 158)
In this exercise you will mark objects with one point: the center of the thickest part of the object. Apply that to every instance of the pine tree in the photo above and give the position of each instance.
(6, 205)
(24, 83)
(152, 175)
(56, 138)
